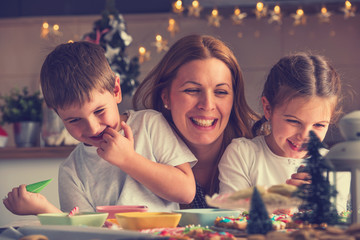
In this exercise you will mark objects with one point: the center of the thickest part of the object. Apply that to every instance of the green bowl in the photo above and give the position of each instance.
(93, 219)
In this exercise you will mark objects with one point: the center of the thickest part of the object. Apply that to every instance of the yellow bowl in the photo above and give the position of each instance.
(146, 220)
(83, 219)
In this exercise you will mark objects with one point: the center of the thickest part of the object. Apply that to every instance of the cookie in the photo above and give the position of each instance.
(286, 190)
(34, 237)
(246, 193)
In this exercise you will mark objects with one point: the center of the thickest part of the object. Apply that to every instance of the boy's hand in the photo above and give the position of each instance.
(115, 148)
(22, 202)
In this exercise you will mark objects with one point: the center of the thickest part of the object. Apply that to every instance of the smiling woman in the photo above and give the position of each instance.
(198, 87)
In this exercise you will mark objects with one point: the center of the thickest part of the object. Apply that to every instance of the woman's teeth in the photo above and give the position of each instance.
(203, 122)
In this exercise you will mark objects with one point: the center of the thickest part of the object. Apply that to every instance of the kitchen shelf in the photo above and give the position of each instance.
(35, 152)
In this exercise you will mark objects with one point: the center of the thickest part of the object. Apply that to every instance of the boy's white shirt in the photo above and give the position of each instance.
(87, 181)
(246, 163)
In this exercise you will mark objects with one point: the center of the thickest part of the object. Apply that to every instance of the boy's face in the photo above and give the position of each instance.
(87, 123)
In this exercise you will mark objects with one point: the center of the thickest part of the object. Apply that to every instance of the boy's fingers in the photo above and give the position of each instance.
(127, 131)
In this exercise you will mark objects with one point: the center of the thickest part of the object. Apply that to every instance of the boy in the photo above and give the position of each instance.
(106, 168)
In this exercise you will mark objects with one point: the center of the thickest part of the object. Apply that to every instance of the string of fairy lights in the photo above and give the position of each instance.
(273, 15)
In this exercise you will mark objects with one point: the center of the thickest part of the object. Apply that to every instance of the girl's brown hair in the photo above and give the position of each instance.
(301, 75)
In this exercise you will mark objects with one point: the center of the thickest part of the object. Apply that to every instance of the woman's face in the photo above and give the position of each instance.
(291, 123)
(200, 100)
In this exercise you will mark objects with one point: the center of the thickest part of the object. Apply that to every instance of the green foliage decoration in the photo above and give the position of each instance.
(259, 221)
(317, 207)
(20, 106)
(110, 32)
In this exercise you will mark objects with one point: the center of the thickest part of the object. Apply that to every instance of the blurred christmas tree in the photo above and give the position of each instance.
(110, 33)
(259, 221)
(317, 207)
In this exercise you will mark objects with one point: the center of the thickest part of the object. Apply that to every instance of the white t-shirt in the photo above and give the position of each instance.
(87, 181)
(246, 163)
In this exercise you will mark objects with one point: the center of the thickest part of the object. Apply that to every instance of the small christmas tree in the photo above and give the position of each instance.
(317, 195)
(110, 33)
(259, 221)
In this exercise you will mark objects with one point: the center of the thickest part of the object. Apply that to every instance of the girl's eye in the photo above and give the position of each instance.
(293, 121)
(319, 125)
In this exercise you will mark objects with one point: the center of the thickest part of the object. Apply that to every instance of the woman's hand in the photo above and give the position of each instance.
(21, 202)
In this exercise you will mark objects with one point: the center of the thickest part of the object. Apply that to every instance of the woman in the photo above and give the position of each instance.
(199, 88)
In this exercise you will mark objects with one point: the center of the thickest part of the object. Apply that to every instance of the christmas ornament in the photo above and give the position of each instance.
(50, 32)
(238, 16)
(144, 55)
(214, 19)
(173, 27)
(160, 44)
(110, 33)
(299, 17)
(260, 11)
(194, 9)
(3, 137)
(348, 9)
(318, 206)
(177, 7)
(275, 15)
(111, 53)
(324, 15)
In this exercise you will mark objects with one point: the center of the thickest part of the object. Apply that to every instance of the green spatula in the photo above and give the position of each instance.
(37, 187)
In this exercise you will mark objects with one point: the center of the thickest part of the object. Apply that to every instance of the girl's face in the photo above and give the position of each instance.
(87, 123)
(292, 121)
(200, 100)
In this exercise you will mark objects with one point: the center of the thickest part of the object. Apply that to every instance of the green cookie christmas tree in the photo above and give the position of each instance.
(259, 221)
(110, 33)
(317, 195)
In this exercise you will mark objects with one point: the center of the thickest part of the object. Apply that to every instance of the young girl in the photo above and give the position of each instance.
(301, 93)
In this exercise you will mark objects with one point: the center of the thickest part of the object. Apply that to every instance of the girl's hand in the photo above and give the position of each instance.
(21, 202)
(298, 179)
(115, 148)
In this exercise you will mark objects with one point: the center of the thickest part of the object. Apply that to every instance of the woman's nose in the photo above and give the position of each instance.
(207, 102)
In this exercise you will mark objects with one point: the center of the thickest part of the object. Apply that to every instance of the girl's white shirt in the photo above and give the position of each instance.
(250, 162)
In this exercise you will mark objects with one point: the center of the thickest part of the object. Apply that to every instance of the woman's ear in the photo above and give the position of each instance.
(117, 90)
(165, 98)
(266, 107)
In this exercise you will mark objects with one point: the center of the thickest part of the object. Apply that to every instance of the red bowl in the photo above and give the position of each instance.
(120, 209)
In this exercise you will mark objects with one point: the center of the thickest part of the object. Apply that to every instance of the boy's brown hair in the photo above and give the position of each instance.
(71, 71)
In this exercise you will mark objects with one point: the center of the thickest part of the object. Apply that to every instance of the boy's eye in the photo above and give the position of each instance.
(319, 125)
(99, 111)
(74, 120)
